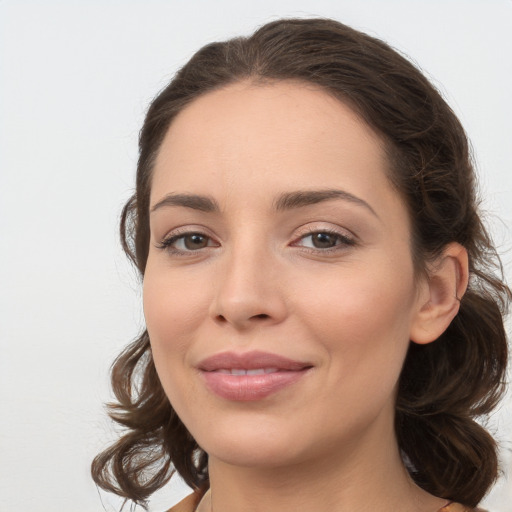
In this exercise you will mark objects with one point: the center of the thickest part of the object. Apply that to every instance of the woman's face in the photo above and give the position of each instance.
(279, 291)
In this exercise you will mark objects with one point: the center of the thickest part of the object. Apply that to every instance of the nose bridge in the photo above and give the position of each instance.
(247, 285)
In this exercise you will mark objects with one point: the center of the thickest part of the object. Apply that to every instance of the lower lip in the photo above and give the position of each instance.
(246, 388)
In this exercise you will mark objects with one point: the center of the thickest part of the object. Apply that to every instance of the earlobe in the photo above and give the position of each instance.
(439, 301)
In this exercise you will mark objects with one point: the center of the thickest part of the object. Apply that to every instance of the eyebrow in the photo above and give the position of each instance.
(301, 198)
(194, 201)
(285, 201)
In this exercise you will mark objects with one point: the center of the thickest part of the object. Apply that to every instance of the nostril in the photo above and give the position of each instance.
(262, 316)
(222, 319)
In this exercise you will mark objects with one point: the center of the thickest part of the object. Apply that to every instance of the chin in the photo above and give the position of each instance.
(251, 446)
(255, 455)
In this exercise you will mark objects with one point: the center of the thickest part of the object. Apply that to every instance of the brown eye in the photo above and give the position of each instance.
(195, 241)
(324, 240)
(187, 243)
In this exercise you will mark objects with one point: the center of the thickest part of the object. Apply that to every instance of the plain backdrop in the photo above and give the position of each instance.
(75, 80)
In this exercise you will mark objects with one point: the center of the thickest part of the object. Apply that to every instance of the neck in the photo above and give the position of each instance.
(366, 476)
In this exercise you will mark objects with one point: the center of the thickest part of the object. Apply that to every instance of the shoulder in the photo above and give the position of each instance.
(190, 503)
(457, 507)
(187, 504)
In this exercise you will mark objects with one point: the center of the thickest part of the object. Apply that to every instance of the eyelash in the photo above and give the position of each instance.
(167, 243)
(344, 241)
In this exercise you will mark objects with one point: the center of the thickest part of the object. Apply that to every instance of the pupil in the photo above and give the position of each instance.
(323, 240)
(195, 242)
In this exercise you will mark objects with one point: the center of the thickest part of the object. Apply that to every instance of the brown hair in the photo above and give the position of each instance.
(444, 385)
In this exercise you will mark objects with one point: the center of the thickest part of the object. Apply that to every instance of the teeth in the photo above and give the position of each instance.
(259, 371)
(241, 371)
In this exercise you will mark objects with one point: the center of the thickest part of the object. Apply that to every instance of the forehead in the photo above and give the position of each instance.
(251, 137)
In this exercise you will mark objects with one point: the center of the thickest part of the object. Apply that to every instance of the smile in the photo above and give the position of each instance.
(240, 371)
(250, 376)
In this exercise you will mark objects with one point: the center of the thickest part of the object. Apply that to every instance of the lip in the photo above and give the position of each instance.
(280, 372)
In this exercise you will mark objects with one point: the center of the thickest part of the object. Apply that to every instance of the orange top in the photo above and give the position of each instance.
(190, 503)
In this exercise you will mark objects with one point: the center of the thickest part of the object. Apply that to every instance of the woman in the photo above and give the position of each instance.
(324, 307)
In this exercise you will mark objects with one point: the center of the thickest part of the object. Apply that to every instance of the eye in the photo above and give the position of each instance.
(186, 242)
(191, 242)
(324, 240)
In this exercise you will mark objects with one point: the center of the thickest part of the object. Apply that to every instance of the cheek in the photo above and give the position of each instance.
(172, 307)
(363, 322)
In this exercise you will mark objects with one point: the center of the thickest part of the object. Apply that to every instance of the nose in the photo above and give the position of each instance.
(248, 289)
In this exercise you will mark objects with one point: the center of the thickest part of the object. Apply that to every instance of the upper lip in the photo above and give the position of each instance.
(250, 361)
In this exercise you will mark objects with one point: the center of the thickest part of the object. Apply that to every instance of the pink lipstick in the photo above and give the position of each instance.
(250, 376)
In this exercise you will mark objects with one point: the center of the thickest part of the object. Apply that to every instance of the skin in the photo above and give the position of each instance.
(256, 281)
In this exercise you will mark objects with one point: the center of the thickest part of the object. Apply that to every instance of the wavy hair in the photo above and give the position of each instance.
(444, 385)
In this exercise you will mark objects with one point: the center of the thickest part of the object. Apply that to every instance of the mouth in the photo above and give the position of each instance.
(241, 371)
(250, 376)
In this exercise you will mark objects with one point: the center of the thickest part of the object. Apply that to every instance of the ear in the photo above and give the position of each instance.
(440, 294)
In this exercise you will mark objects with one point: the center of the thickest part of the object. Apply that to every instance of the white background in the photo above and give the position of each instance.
(75, 80)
